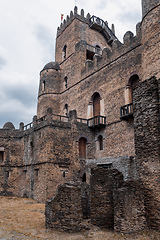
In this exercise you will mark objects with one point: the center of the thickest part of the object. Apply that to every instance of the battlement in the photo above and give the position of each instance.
(93, 21)
(105, 56)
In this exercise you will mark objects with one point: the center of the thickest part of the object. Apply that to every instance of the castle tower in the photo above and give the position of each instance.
(49, 89)
(150, 38)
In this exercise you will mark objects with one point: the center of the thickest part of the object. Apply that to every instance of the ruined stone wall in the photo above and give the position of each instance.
(147, 139)
(103, 182)
(129, 208)
(65, 211)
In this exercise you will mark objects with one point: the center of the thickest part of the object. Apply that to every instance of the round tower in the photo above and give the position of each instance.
(49, 89)
(150, 38)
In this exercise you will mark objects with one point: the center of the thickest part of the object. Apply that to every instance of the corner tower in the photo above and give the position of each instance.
(150, 38)
(49, 89)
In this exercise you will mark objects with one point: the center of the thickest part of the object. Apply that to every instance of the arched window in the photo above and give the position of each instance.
(82, 147)
(100, 142)
(96, 104)
(133, 81)
(65, 81)
(64, 52)
(43, 86)
(66, 109)
(97, 49)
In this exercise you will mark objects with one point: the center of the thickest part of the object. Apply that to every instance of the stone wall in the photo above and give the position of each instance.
(129, 209)
(67, 211)
(103, 182)
(147, 146)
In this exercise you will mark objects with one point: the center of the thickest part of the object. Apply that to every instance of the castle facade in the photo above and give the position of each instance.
(98, 107)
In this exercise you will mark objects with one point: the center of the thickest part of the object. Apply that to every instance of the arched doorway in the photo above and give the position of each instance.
(132, 82)
(96, 104)
(82, 147)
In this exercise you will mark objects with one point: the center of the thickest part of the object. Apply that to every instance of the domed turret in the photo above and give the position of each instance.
(52, 65)
(49, 89)
(8, 125)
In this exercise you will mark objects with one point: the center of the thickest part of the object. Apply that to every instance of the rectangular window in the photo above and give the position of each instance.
(1, 156)
(36, 173)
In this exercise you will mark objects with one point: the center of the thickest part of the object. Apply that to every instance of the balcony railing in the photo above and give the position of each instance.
(98, 121)
(126, 112)
(102, 27)
(94, 49)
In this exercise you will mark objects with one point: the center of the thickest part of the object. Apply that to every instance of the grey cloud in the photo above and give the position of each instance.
(129, 16)
(22, 94)
(43, 34)
(16, 116)
(3, 62)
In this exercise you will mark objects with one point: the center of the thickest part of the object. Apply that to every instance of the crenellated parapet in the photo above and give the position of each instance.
(90, 20)
(117, 50)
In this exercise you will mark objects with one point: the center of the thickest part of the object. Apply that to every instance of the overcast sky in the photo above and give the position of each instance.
(27, 42)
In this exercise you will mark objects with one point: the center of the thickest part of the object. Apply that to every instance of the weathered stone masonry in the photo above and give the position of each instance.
(93, 149)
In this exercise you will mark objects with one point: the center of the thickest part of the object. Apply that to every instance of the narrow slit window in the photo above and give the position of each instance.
(65, 82)
(1, 156)
(64, 51)
(43, 86)
(66, 109)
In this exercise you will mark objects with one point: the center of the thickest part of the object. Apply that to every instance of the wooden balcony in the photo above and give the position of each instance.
(99, 25)
(97, 122)
(126, 112)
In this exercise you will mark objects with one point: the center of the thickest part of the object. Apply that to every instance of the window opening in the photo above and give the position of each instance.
(96, 105)
(36, 173)
(82, 147)
(64, 174)
(133, 81)
(64, 52)
(25, 173)
(65, 81)
(1, 156)
(97, 49)
(100, 142)
(7, 174)
(66, 109)
(89, 55)
(43, 86)
(84, 177)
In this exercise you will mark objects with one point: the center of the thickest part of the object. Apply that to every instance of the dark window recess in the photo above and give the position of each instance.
(64, 52)
(89, 55)
(66, 109)
(84, 177)
(36, 173)
(64, 174)
(7, 174)
(1, 156)
(25, 172)
(100, 142)
(96, 105)
(82, 147)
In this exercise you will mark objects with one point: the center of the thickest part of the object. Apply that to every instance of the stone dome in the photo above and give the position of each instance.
(52, 65)
(8, 125)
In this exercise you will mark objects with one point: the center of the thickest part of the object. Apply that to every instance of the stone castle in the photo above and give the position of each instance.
(93, 149)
